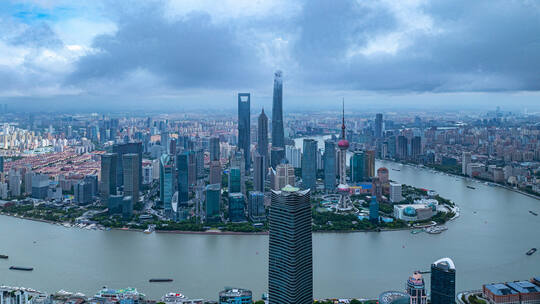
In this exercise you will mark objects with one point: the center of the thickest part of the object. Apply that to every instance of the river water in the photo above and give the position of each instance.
(487, 242)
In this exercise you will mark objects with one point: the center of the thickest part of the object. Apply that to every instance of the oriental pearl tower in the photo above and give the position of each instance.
(345, 202)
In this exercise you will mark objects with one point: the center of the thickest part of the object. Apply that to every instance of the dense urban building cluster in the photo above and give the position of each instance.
(212, 172)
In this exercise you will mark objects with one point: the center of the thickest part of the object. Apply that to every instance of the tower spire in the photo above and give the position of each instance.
(343, 119)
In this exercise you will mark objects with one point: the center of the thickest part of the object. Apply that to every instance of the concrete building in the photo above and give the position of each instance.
(294, 156)
(282, 176)
(465, 160)
(395, 193)
(214, 176)
(15, 182)
(416, 288)
(235, 296)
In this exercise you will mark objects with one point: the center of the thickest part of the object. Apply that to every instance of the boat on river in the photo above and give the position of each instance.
(530, 252)
(3, 256)
(471, 187)
(436, 229)
(162, 280)
(21, 268)
(533, 213)
(416, 231)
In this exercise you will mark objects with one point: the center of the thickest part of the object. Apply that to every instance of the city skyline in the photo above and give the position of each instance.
(136, 153)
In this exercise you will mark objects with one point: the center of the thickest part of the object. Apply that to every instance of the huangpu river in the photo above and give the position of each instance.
(487, 243)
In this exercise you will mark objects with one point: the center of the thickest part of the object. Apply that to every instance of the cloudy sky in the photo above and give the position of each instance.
(159, 53)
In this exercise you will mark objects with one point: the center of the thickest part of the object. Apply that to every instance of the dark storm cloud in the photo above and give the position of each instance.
(490, 45)
(474, 46)
(187, 53)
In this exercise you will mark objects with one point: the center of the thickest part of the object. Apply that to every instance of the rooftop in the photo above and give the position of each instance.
(500, 289)
(524, 286)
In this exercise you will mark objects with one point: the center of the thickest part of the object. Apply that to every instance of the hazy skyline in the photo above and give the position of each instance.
(155, 54)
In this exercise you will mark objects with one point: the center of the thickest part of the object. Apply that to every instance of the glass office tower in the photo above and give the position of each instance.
(290, 265)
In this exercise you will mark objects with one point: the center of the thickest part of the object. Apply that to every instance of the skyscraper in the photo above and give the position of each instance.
(262, 138)
(402, 147)
(192, 168)
(130, 163)
(215, 172)
(378, 125)
(164, 141)
(290, 264)
(120, 150)
(309, 164)
(329, 165)
(166, 182)
(416, 288)
(235, 180)
(370, 164)
(244, 127)
(278, 132)
(374, 210)
(108, 176)
(237, 205)
(199, 163)
(465, 160)
(213, 199)
(259, 172)
(182, 171)
(256, 210)
(83, 193)
(214, 148)
(416, 147)
(357, 161)
(443, 281)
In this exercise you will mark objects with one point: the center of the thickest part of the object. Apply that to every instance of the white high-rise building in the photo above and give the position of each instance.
(294, 156)
(466, 159)
(282, 176)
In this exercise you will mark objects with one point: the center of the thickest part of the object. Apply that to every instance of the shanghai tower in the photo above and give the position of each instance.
(278, 141)
(244, 127)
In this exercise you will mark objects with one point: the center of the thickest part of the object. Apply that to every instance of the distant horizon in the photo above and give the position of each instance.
(452, 102)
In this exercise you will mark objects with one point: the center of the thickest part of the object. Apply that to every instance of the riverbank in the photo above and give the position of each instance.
(472, 179)
(221, 232)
